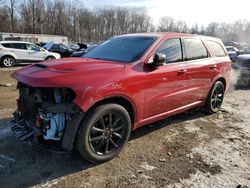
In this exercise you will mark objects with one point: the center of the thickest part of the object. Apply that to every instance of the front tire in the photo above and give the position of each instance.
(103, 133)
(215, 98)
(8, 61)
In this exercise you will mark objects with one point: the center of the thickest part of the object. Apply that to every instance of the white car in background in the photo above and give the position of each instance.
(12, 52)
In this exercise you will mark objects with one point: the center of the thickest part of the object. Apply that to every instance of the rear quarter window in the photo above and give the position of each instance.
(194, 49)
(216, 49)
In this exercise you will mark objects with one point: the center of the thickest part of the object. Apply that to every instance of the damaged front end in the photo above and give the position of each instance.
(46, 114)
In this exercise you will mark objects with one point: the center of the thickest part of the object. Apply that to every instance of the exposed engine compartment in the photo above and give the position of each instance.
(53, 125)
(43, 113)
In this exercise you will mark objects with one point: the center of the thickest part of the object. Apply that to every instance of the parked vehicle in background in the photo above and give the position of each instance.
(78, 47)
(242, 63)
(83, 45)
(233, 52)
(129, 81)
(83, 51)
(12, 52)
(41, 44)
(58, 48)
(246, 50)
(238, 45)
(73, 47)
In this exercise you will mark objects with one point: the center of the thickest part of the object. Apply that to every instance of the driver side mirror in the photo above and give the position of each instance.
(159, 59)
(42, 49)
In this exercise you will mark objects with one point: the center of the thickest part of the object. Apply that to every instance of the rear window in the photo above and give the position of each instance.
(20, 46)
(7, 45)
(216, 49)
(194, 49)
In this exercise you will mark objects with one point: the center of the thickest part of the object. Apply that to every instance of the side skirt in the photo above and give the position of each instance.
(167, 114)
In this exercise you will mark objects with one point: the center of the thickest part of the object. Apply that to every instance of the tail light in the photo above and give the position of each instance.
(18, 104)
(38, 121)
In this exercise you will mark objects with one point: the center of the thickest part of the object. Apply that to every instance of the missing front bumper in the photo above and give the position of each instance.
(30, 134)
(23, 130)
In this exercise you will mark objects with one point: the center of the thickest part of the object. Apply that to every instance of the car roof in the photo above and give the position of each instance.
(171, 34)
(156, 34)
(11, 41)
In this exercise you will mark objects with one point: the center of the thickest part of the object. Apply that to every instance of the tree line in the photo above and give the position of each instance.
(71, 19)
(236, 31)
(80, 24)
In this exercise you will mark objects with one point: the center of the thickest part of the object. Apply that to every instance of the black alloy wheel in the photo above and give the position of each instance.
(215, 98)
(107, 133)
(103, 133)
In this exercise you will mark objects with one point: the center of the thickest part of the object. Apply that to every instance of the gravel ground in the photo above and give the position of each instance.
(192, 149)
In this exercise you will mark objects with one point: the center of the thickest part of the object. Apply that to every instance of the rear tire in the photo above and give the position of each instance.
(103, 133)
(8, 61)
(215, 98)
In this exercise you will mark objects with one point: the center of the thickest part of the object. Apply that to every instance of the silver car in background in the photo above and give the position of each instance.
(12, 52)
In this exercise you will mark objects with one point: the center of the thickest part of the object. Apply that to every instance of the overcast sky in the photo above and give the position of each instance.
(191, 11)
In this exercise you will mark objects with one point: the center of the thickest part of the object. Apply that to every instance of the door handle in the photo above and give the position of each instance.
(182, 71)
(213, 66)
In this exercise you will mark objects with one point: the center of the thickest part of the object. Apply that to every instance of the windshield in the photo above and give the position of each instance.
(122, 49)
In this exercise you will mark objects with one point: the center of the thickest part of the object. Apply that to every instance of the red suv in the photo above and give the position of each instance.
(92, 103)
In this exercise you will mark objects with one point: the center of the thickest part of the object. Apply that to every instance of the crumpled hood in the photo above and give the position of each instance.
(67, 72)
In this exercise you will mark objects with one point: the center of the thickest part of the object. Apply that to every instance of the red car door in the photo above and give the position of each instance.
(201, 69)
(165, 85)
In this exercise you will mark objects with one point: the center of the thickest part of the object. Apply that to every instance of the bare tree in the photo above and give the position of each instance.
(4, 19)
(167, 24)
(12, 10)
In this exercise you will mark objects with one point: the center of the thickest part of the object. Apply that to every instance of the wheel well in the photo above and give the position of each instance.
(222, 80)
(118, 100)
(50, 56)
(7, 56)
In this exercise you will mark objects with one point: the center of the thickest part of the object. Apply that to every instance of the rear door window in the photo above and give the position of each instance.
(194, 49)
(7, 45)
(216, 49)
(172, 49)
(20, 46)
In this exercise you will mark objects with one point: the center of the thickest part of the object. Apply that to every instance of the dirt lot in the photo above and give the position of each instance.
(193, 149)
